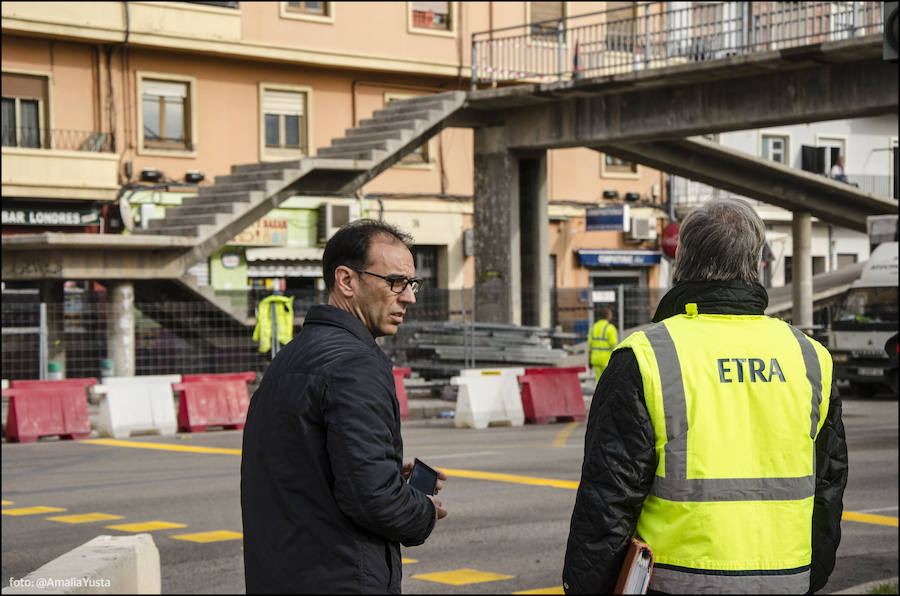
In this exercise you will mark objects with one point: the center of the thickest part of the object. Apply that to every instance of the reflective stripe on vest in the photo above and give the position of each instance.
(602, 337)
(681, 580)
(676, 486)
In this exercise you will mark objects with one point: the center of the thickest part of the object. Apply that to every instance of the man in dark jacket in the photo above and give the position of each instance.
(623, 475)
(323, 494)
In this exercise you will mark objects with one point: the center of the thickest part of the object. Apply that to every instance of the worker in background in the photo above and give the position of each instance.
(603, 340)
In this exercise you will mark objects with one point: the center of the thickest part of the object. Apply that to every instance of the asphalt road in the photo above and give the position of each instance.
(504, 534)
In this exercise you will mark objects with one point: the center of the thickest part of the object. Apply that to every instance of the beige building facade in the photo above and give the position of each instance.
(115, 109)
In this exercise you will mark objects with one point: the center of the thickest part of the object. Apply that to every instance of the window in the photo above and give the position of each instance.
(615, 167)
(321, 9)
(437, 18)
(165, 106)
(546, 11)
(775, 148)
(835, 146)
(846, 259)
(284, 121)
(421, 155)
(24, 104)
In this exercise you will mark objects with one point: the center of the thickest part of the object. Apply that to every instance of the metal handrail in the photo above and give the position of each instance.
(601, 43)
(57, 138)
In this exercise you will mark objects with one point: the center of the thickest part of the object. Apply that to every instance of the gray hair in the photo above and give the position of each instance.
(720, 240)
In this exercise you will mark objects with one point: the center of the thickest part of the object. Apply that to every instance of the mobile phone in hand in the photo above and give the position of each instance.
(423, 477)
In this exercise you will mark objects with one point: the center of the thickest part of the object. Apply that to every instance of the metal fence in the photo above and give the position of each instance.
(650, 35)
(58, 138)
(196, 337)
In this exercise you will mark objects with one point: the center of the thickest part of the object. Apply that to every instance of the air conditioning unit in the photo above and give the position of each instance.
(332, 216)
(642, 228)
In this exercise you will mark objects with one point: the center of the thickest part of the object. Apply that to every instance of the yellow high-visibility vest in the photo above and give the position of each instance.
(736, 404)
(284, 314)
(603, 340)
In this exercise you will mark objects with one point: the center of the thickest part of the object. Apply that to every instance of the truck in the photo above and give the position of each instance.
(866, 319)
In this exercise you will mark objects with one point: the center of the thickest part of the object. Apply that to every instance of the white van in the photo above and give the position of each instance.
(865, 321)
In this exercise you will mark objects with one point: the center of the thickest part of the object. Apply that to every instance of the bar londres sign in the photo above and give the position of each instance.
(51, 217)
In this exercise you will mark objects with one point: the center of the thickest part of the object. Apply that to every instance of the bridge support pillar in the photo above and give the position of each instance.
(120, 327)
(498, 274)
(512, 266)
(801, 263)
(51, 293)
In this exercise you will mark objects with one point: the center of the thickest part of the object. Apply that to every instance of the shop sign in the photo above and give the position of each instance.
(267, 231)
(50, 217)
(618, 258)
(231, 260)
(614, 217)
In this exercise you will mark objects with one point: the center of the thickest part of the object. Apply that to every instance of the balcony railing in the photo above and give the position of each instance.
(606, 43)
(56, 138)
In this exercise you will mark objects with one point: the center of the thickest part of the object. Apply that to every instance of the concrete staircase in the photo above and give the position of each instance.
(235, 201)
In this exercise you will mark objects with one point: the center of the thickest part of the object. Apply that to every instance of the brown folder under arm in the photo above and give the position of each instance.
(636, 569)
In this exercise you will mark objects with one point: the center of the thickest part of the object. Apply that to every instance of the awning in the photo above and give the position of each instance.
(284, 261)
(601, 257)
(285, 253)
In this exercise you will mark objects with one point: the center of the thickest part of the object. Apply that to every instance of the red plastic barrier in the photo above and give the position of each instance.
(399, 373)
(249, 377)
(47, 408)
(552, 393)
(212, 403)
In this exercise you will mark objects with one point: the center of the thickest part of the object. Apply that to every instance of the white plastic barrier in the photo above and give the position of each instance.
(137, 404)
(105, 565)
(488, 396)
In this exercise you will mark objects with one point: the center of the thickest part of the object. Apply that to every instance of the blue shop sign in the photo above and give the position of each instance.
(614, 217)
(591, 257)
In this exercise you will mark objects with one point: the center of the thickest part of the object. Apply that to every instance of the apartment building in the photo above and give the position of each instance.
(869, 148)
(113, 111)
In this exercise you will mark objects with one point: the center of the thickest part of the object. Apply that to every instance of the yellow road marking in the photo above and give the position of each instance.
(563, 435)
(162, 446)
(461, 577)
(405, 560)
(868, 518)
(216, 536)
(32, 510)
(553, 590)
(865, 518)
(146, 526)
(513, 478)
(84, 518)
(5, 502)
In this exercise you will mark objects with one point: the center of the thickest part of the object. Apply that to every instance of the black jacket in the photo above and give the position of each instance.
(620, 460)
(324, 503)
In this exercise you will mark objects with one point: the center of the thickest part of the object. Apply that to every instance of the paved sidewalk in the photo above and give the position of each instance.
(867, 587)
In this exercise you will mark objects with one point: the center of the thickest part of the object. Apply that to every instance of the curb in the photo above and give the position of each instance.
(866, 587)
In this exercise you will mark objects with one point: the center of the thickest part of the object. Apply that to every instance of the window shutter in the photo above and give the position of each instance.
(290, 103)
(24, 86)
(165, 89)
(542, 11)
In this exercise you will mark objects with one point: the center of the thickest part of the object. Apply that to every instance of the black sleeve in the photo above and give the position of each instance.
(616, 476)
(831, 480)
(368, 484)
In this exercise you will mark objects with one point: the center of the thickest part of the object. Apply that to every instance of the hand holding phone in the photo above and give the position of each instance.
(423, 477)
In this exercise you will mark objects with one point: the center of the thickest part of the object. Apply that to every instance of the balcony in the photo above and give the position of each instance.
(59, 164)
(166, 24)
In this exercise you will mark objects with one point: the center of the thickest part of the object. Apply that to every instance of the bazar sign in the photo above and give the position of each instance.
(268, 231)
(50, 217)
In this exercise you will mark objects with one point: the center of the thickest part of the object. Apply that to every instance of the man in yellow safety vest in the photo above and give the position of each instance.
(715, 435)
(603, 340)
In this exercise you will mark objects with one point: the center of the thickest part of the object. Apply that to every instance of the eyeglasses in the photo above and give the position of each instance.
(398, 284)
